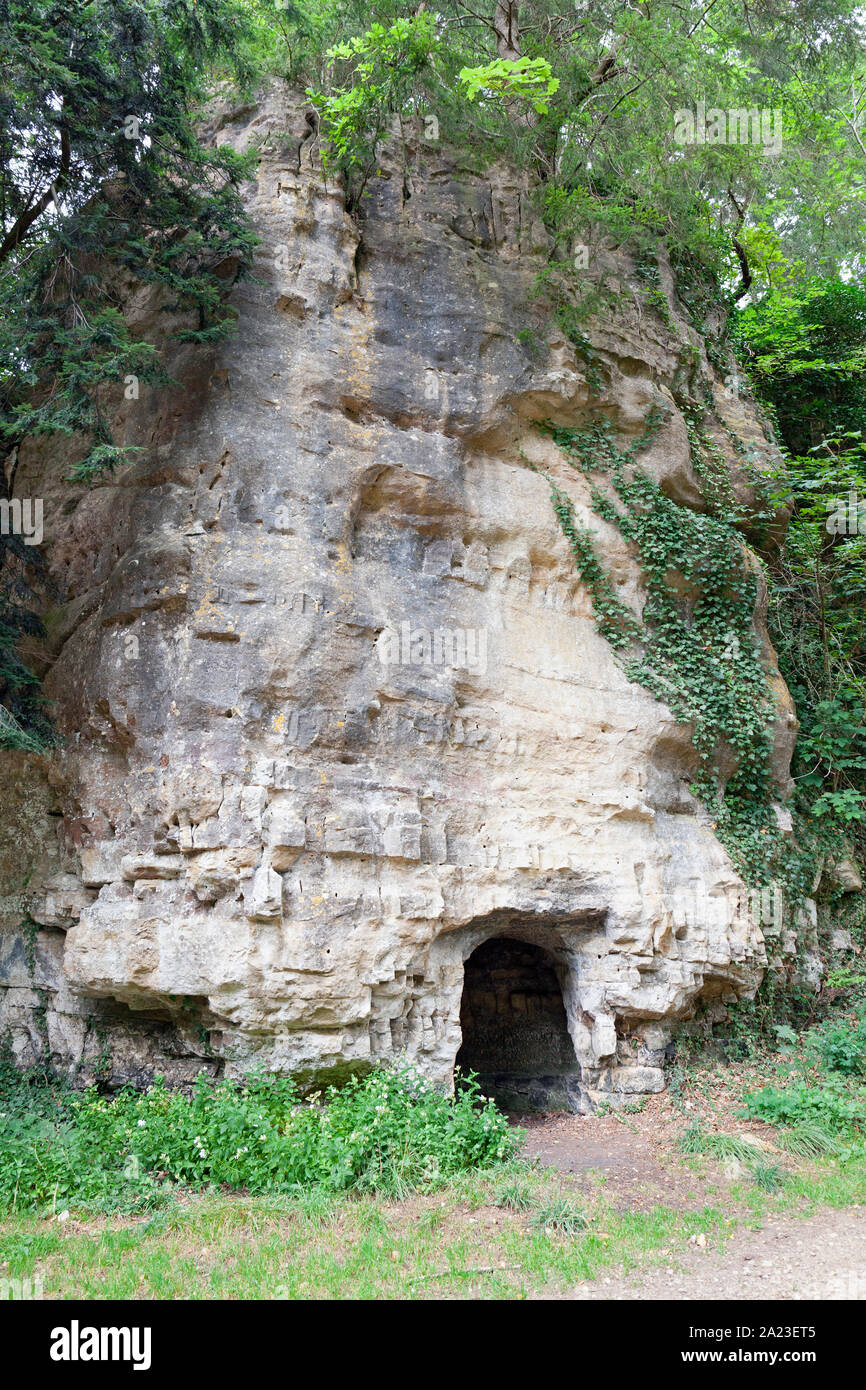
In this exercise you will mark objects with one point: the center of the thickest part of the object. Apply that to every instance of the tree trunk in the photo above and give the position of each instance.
(505, 26)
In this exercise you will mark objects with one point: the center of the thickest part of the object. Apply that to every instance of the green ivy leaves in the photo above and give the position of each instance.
(694, 646)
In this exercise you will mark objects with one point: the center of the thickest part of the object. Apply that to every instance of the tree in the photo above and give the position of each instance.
(615, 78)
(101, 174)
(807, 353)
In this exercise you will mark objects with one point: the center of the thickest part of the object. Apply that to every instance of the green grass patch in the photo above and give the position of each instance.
(461, 1240)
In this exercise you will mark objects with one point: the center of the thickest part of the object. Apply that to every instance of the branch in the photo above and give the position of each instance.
(854, 130)
(17, 233)
(609, 112)
(607, 68)
(745, 270)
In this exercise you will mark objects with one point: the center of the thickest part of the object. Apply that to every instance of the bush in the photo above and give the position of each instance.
(391, 1131)
(830, 1107)
(839, 1047)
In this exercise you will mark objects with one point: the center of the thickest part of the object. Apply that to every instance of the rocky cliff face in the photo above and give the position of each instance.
(336, 712)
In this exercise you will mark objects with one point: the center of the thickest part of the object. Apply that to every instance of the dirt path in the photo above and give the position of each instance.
(815, 1257)
(637, 1161)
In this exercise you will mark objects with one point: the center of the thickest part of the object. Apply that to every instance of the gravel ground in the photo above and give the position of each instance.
(815, 1257)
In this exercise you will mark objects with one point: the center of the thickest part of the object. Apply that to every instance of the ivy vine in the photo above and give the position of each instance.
(694, 646)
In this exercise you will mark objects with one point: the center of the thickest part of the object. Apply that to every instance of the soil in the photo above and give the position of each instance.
(636, 1159)
(634, 1156)
(814, 1257)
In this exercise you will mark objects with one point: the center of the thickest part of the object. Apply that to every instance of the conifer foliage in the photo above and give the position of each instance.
(102, 177)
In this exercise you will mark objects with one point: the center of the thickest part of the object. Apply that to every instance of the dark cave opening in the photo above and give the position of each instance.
(515, 1033)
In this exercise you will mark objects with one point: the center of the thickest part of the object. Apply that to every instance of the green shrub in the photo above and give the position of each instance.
(831, 1106)
(391, 1131)
(839, 1047)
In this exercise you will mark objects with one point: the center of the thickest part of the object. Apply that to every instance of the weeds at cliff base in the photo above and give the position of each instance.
(391, 1132)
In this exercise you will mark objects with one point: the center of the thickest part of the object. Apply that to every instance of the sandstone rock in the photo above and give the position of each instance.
(101, 863)
(841, 940)
(60, 901)
(136, 866)
(298, 822)
(638, 1080)
(264, 897)
(845, 873)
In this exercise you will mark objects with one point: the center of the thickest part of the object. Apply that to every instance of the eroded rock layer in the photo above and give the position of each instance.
(335, 707)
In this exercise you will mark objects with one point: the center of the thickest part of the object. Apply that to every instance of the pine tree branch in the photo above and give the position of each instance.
(18, 232)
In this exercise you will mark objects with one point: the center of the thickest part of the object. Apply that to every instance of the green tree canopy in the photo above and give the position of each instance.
(101, 171)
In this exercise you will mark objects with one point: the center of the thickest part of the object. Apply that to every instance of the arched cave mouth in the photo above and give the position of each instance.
(515, 1033)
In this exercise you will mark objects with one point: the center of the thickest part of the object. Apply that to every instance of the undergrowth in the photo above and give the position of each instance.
(815, 1100)
(391, 1132)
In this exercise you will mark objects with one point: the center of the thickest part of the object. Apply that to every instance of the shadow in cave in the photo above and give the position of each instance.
(515, 1034)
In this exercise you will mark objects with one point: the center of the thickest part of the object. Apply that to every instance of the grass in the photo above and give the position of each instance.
(695, 1140)
(559, 1215)
(468, 1239)
(808, 1141)
(507, 1229)
(769, 1177)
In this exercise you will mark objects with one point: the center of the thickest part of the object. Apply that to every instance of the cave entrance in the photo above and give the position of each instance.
(515, 1033)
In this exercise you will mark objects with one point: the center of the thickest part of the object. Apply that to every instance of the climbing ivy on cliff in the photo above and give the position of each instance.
(693, 646)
